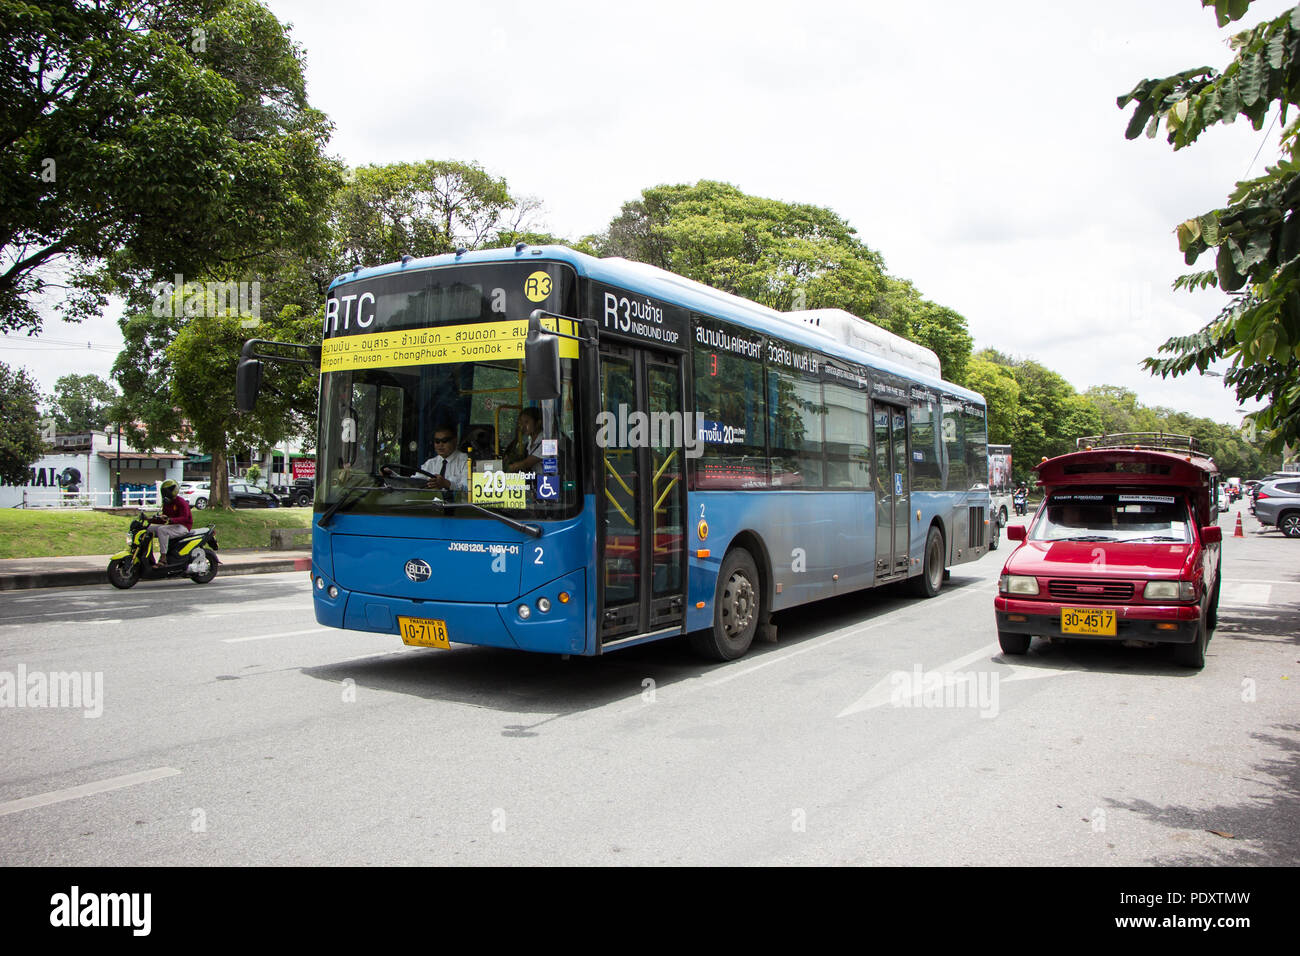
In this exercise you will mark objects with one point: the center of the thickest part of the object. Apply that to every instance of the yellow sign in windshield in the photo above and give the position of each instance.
(446, 343)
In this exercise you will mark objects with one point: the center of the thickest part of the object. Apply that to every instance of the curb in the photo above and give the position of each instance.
(79, 577)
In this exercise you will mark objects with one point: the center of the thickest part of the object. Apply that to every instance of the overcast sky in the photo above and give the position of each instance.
(977, 147)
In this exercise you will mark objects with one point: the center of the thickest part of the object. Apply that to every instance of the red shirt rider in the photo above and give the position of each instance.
(177, 511)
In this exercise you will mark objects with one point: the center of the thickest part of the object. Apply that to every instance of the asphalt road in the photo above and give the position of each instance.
(229, 728)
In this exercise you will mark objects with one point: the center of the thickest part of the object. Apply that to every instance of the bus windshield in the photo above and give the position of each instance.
(423, 405)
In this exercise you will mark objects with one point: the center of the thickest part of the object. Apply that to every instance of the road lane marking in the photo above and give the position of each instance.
(86, 790)
(882, 691)
(268, 637)
(836, 636)
(1248, 595)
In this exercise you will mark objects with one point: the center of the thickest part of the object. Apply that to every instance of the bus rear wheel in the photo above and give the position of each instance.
(930, 581)
(736, 606)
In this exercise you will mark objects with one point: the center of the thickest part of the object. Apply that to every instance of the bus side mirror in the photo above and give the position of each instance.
(1015, 532)
(248, 382)
(541, 361)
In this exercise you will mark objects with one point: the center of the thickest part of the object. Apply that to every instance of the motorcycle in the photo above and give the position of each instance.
(193, 555)
(1020, 500)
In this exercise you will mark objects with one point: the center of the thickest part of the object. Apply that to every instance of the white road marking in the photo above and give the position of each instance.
(882, 692)
(86, 790)
(851, 631)
(1245, 595)
(268, 637)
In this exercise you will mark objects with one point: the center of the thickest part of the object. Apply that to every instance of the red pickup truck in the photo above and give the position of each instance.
(1124, 547)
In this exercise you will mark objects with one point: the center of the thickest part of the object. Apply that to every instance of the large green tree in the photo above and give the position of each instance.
(20, 436)
(139, 140)
(423, 209)
(783, 255)
(1256, 236)
(81, 403)
(178, 381)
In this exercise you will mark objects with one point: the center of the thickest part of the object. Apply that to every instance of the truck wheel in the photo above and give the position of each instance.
(929, 582)
(1013, 643)
(1192, 655)
(736, 606)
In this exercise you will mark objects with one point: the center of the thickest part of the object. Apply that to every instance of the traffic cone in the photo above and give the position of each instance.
(1238, 532)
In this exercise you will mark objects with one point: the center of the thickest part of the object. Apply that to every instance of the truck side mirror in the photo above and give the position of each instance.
(541, 361)
(1016, 532)
(1211, 534)
(248, 382)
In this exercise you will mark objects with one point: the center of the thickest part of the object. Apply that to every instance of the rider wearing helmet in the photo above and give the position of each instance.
(177, 521)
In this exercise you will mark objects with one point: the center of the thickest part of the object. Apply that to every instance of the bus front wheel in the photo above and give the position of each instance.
(736, 606)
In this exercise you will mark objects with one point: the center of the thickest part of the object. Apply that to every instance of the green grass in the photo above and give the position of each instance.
(39, 534)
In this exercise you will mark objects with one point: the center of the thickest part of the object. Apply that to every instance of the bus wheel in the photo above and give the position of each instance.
(931, 579)
(735, 610)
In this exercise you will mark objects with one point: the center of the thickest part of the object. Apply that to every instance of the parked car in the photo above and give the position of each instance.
(246, 495)
(1124, 547)
(301, 493)
(1277, 504)
(195, 492)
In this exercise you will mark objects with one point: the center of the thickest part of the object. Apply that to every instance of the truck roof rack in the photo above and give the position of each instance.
(1147, 441)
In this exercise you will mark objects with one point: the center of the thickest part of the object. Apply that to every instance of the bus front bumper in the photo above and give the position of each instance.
(561, 629)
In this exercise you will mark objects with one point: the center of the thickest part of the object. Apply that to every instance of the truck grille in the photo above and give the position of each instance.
(1091, 590)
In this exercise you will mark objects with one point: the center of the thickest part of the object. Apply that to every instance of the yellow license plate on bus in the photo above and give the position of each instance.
(424, 632)
(1087, 620)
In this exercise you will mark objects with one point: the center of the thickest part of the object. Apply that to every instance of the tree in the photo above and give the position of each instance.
(81, 403)
(1002, 393)
(783, 255)
(20, 436)
(423, 209)
(1256, 237)
(178, 383)
(140, 140)
(1120, 410)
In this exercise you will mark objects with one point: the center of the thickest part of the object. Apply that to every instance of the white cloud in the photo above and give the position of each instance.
(977, 147)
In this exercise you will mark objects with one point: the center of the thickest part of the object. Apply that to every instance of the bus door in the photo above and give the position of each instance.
(640, 451)
(893, 490)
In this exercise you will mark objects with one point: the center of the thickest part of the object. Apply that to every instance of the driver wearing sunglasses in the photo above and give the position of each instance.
(449, 466)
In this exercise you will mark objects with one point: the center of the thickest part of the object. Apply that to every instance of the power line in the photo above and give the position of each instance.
(37, 345)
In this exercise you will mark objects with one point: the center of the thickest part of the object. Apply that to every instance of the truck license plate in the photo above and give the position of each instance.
(1087, 620)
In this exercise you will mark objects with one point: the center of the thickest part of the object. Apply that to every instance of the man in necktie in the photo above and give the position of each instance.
(448, 466)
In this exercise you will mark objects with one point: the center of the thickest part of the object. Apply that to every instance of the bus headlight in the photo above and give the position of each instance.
(1018, 584)
(543, 604)
(524, 611)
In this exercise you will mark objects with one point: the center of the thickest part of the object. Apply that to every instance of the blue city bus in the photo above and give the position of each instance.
(689, 463)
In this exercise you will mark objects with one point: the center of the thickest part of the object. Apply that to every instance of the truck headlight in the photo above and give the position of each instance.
(1018, 584)
(1170, 591)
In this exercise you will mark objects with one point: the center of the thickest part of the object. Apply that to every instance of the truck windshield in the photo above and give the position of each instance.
(423, 403)
(1114, 516)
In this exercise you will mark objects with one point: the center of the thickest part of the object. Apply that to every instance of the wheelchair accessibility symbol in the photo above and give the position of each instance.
(547, 489)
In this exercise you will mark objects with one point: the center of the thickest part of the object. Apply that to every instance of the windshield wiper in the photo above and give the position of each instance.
(348, 496)
(1088, 537)
(529, 529)
(1157, 537)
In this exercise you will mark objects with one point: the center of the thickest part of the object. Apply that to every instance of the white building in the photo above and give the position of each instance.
(82, 470)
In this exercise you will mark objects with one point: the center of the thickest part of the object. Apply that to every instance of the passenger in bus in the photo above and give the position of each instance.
(449, 466)
(530, 431)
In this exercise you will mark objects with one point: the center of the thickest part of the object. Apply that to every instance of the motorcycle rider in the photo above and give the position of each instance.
(177, 522)
(1021, 498)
